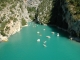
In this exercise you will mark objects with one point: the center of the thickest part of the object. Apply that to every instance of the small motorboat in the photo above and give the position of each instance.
(57, 34)
(45, 41)
(44, 45)
(52, 32)
(40, 35)
(38, 32)
(38, 40)
(71, 38)
(44, 29)
(48, 36)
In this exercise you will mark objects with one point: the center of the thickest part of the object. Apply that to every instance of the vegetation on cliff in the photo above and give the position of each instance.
(44, 11)
(74, 7)
(23, 22)
(13, 15)
(63, 13)
(31, 11)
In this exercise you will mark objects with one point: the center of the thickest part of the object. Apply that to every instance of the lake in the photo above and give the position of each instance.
(24, 45)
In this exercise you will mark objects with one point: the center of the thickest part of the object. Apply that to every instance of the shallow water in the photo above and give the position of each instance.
(24, 46)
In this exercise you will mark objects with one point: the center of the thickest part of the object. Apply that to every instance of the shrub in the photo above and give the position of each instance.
(13, 6)
(2, 33)
(12, 11)
(1, 8)
(30, 9)
(15, 19)
(3, 5)
(11, 18)
(7, 28)
(23, 22)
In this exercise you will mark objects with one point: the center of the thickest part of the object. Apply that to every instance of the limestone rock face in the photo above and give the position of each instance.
(62, 16)
(33, 3)
(13, 28)
(44, 11)
(32, 6)
(11, 17)
(62, 13)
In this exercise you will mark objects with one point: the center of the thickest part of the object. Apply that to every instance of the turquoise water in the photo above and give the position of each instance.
(24, 46)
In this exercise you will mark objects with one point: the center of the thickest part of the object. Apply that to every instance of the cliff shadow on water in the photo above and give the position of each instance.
(60, 15)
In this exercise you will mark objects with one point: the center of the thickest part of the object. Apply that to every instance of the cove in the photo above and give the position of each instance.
(24, 46)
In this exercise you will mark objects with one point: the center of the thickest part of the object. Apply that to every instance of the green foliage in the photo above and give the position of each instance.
(2, 1)
(13, 6)
(12, 11)
(31, 9)
(75, 10)
(44, 11)
(75, 2)
(0, 21)
(23, 22)
(15, 19)
(7, 28)
(3, 24)
(2, 33)
(3, 5)
(1, 8)
(11, 18)
(2, 18)
(9, 1)
(21, 7)
(32, 17)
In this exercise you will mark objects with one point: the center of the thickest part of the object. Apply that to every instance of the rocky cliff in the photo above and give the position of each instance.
(13, 15)
(61, 13)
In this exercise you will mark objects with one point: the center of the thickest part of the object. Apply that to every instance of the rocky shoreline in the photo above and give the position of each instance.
(12, 18)
(57, 14)
(70, 37)
(74, 38)
(5, 38)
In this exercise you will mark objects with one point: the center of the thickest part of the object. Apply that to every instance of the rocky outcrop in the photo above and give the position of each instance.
(32, 6)
(12, 27)
(62, 17)
(44, 11)
(12, 17)
(61, 13)
(33, 3)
